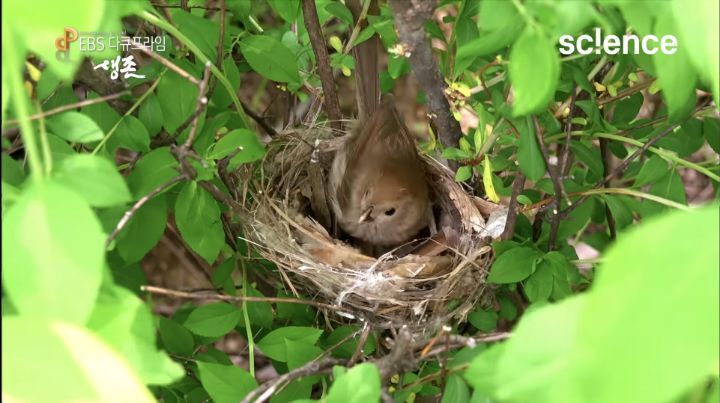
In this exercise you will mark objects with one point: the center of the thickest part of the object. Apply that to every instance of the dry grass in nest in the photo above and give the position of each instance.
(442, 279)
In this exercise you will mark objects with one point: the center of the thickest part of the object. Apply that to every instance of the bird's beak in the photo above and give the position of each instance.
(365, 216)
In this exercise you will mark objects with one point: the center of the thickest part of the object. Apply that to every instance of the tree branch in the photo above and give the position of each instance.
(130, 213)
(557, 185)
(312, 23)
(409, 19)
(518, 185)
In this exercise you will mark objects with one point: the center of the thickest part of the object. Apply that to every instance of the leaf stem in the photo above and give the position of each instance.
(246, 317)
(129, 112)
(154, 19)
(21, 108)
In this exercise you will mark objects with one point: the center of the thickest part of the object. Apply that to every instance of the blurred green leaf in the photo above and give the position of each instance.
(95, 179)
(534, 87)
(57, 245)
(69, 369)
(132, 135)
(74, 127)
(360, 384)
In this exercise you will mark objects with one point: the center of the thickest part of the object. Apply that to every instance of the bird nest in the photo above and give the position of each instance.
(423, 284)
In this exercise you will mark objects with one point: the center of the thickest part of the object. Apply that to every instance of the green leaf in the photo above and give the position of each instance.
(197, 216)
(270, 58)
(259, 313)
(483, 320)
(132, 135)
(621, 212)
(533, 87)
(213, 320)
(676, 75)
(346, 349)
(360, 384)
(531, 160)
(177, 97)
(12, 171)
(572, 349)
(340, 11)
(125, 323)
(57, 246)
(151, 114)
(203, 32)
(225, 383)
(143, 231)
(669, 187)
(287, 9)
(300, 353)
(152, 170)
(539, 285)
(651, 170)
(699, 37)
(482, 371)
(456, 390)
(244, 141)
(514, 265)
(273, 344)
(38, 33)
(175, 337)
(54, 361)
(221, 98)
(102, 113)
(463, 173)
(95, 179)
(74, 127)
(711, 131)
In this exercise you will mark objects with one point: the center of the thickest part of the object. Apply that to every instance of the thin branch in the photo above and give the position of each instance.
(605, 157)
(312, 24)
(170, 65)
(264, 391)
(259, 120)
(410, 18)
(590, 76)
(557, 185)
(361, 343)
(359, 25)
(162, 6)
(565, 157)
(232, 298)
(202, 102)
(129, 214)
(69, 107)
(221, 41)
(517, 187)
(620, 168)
(625, 93)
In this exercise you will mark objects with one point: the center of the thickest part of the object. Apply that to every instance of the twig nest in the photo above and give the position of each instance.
(440, 279)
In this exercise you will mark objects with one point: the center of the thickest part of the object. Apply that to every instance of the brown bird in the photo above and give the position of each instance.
(377, 186)
(378, 189)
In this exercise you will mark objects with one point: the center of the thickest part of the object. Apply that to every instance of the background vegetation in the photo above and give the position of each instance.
(109, 185)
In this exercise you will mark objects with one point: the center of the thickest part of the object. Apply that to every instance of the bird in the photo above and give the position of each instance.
(377, 188)
(377, 183)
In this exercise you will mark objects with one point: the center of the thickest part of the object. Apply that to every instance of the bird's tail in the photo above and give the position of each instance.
(367, 78)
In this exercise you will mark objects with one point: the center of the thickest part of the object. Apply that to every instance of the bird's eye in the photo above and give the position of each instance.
(390, 212)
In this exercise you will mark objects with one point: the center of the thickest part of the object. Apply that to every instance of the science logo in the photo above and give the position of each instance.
(613, 44)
